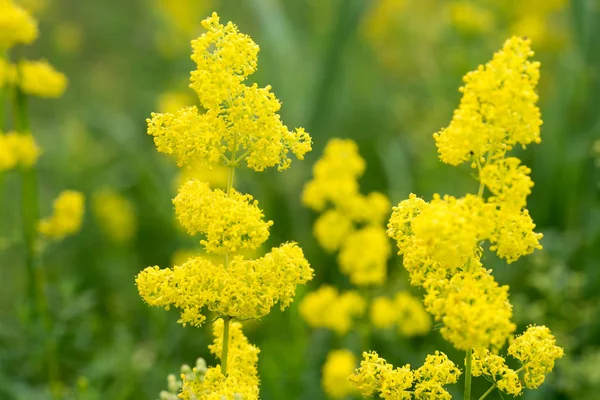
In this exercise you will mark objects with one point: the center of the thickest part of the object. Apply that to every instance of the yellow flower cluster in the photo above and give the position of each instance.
(17, 150)
(353, 225)
(486, 363)
(67, 216)
(241, 289)
(17, 26)
(536, 349)
(115, 215)
(241, 382)
(231, 221)
(404, 310)
(339, 365)
(375, 375)
(440, 240)
(39, 78)
(326, 308)
(239, 119)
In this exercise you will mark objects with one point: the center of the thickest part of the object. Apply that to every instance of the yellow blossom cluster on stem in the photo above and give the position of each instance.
(441, 240)
(239, 126)
(66, 218)
(354, 223)
(375, 376)
(17, 151)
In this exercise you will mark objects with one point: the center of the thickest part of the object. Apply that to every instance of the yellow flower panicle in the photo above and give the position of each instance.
(536, 349)
(17, 26)
(498, 109)
(339, 365)
(326, 308)
(404, 310)
(364, 254)
(115, 215)
(67, 216)
(18, 150)
(494, 366)
(375, 375)
(38, 78)
(241, 381)
(231, 222)
(239, 119)
(244, 289)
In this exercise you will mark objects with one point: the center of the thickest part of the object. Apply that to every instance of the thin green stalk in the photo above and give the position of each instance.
(225, 351)
(468, 361)
(490, 390)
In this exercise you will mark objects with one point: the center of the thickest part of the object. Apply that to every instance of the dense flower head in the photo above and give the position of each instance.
(327, 308)
(376, 375)
(364, 254)
(17, 26)
(514, 235)
(473, 308)
(404, 310)
(241, 380)
(242, 289)
(494, 367)
(67, 216)
(18, 150)
(508, 181)
(338, 367)
(115, 215)
(230, 222)
(536, 349)
(39, 78)
(240, 122)
(498, 109)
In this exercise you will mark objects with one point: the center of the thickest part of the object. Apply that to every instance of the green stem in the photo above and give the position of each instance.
(488, 392)
(225, 350)
(468, 361)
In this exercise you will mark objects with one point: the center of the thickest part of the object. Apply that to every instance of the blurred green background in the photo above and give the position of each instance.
(382, 72)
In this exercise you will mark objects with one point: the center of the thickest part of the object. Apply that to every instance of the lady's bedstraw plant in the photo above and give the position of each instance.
(354, 225)
(239, 125)
(440, 241)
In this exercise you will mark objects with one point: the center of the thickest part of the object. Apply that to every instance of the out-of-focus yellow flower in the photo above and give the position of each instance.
(170, 102)
(38, 78)
(382, 312)
(8, 73)
(67, 216)
(17, 150)
(216, 177)
(470, 18)
(244, 289)
(17, 26)
(331, 229)
(338, 367)
(68, 37)
(326, 308)
(115, 215)
(412, 319)
(364, 254)
(241, 381)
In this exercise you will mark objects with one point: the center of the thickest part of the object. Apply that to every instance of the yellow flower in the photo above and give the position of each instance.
(498, 108)
(383, 313)
(241, 381)
(18, 150)
(325, 308)
(508, 181)
(242, 289)
(216, 177)
(17, 26)
(331, 229)
(338, 367)
(494, 366)
(38, 78)
(412, 318)
(241, 120)
(364, 254)
(115, 215)
(230, 222)
(376, 375)
(67, 216)
(475, 311)
(537, 350)
(8, 73)
(170, 102)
